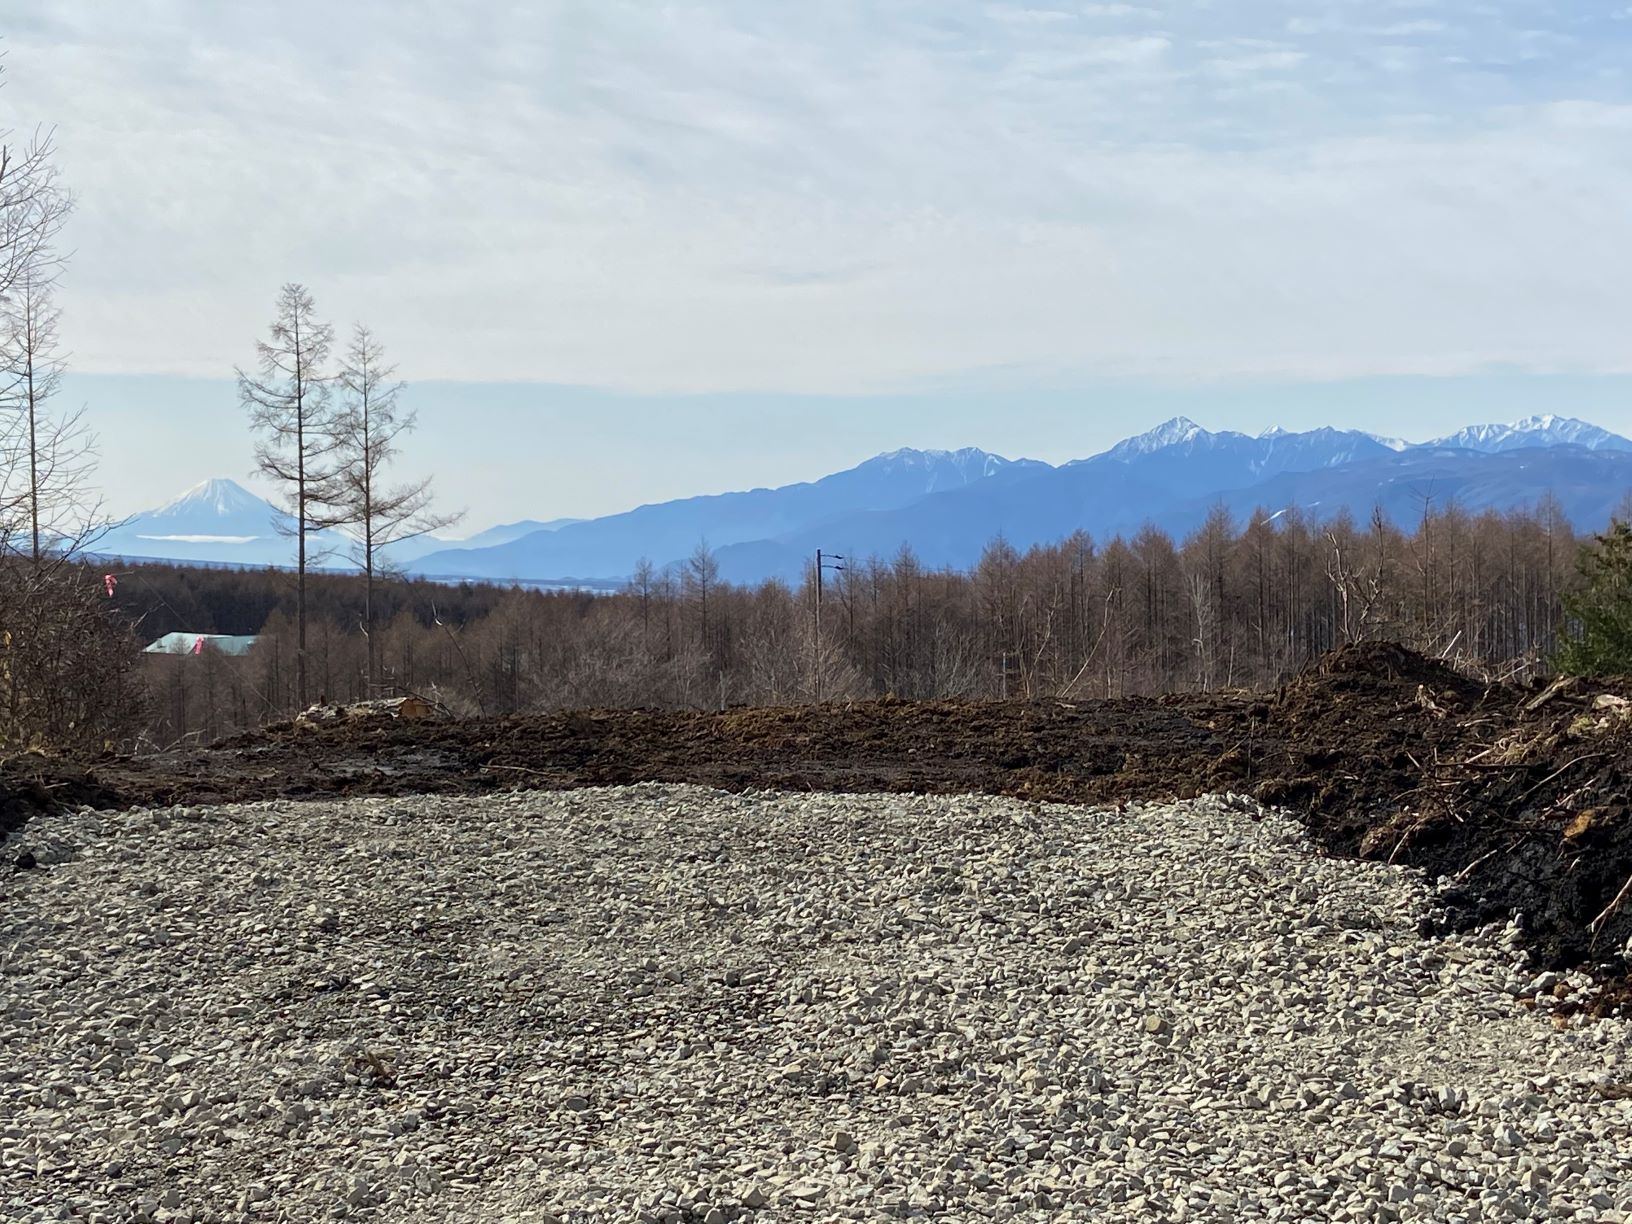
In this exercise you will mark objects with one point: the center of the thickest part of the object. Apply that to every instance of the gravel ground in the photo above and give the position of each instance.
(666, 1003)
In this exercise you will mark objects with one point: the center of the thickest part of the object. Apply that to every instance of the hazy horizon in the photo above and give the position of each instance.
(575, 467)
(641, 253)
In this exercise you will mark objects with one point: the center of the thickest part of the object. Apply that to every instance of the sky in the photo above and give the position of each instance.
(625, 251)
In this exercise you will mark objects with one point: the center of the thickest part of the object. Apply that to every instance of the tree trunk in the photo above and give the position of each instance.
(300, 561)
(33, 462)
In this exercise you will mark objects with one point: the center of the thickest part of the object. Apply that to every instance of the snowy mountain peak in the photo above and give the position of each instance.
(211, 508)
(1393, 444)
(218, 496)
(921, 457)
(1175, 432)
(1541, 430)
(940, 467)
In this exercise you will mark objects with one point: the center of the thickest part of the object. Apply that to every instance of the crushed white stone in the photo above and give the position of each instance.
(666, 1003)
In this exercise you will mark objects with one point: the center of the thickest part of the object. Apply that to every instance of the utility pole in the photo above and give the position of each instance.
(824, 561)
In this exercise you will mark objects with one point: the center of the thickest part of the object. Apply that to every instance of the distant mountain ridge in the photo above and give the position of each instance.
(1179, 454)
(505, 532)
(947, 505)
(1546, 430)
(1171, 477)
(219, 522)
(611, 547)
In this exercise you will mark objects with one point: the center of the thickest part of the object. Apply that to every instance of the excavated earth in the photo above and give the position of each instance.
(1018, 961)
(1516, 796)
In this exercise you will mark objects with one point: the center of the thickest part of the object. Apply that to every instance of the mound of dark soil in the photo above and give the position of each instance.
(1362, 727)
(1390, 664)
(1536, 819)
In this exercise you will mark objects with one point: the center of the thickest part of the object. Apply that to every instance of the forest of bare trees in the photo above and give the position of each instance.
(68, 676)
(1232, 606)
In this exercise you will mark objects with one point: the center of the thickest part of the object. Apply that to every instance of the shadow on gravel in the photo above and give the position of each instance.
(1519, 794)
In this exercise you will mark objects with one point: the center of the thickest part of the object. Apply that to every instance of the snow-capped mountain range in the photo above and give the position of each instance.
(1546, 430)
(948, 504)
(1344, 445)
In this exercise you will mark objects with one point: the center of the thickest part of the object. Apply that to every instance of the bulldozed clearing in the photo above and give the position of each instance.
(1517, 794)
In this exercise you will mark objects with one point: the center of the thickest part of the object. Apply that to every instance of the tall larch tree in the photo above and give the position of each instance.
(50, 457)
(379, 514)
(291, 407)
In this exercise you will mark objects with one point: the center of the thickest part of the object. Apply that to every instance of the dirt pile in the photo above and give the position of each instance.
(1039, 750)
(1534, 818)
(1519, 794)
(1353, 736)
(1347, 736)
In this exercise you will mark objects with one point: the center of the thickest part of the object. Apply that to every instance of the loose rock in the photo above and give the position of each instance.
(670, 1004)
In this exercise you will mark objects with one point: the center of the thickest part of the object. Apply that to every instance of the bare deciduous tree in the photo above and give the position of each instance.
(45, 493)
(290, 406)
(67, 667)
(68, 678)
(701, 576)
(366, 429)
(46, 461)
(642, 584)
(34, 206)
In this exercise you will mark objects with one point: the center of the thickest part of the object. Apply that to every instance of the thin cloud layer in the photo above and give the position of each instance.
(829, 198)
